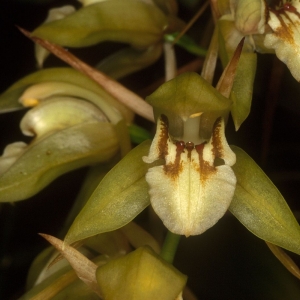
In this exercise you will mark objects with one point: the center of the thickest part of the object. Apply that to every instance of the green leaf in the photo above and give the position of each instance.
(260, 207)
(120, 197)
(186, 43)
(134, 22)
(55, 154)
(141, 274)
(9, 100)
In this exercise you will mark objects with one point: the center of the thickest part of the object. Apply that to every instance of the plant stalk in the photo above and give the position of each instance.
(170, 245)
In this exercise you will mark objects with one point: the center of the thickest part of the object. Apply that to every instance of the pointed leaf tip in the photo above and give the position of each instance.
(260, 207)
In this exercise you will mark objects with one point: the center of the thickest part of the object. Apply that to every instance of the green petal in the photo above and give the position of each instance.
(134, 22)
(9, 100)
(141, 274)
(120, 197)
(242, 90)
(47, 158)
(260, 207)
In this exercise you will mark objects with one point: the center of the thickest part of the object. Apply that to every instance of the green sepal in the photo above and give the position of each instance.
(134, 22)
(55, 154)
(119, 198)
(185, 95)
(260, 207)
(141, 274)
(242, 89)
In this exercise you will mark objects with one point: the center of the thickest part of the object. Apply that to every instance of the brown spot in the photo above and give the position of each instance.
(180, 145)
(289, 7)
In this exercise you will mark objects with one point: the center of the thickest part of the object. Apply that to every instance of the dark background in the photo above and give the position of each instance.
(226, 262)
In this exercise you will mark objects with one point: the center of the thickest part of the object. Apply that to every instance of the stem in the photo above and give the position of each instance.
(170, 61)
(169, 248)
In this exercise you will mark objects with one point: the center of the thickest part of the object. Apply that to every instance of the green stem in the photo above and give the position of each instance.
(169, 248)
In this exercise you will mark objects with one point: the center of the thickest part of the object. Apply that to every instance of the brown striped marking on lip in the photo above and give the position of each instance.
(173, 169)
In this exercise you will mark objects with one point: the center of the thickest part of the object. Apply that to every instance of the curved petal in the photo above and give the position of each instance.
(57, 114)
(62, 151)
(44, 90)
(9, 99)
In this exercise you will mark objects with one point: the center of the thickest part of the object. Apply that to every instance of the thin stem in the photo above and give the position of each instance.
(191, 22)
(170, 61)
(169, 248)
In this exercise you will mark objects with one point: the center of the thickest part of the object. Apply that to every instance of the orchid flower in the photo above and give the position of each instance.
(183, 190)
(267, 29)
(189, 174)
(284, 21)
